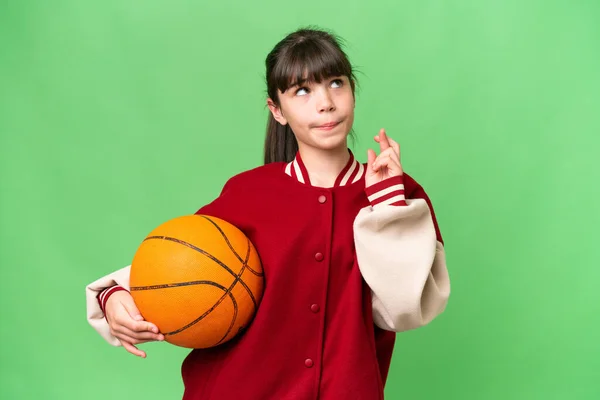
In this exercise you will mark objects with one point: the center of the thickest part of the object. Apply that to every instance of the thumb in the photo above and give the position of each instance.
(132, 309)
(371, 156)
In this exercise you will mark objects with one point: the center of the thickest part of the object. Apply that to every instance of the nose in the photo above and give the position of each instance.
(325, 101)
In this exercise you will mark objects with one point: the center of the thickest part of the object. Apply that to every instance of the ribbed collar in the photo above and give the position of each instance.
(352, 172)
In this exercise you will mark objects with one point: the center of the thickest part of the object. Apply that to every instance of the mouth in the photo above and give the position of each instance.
(329, 125)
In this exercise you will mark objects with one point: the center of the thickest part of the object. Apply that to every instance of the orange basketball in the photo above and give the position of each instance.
(199, 279)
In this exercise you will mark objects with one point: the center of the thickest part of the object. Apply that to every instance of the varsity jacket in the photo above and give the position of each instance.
(345, 268)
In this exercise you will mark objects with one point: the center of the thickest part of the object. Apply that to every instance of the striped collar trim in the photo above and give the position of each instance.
(352, 172)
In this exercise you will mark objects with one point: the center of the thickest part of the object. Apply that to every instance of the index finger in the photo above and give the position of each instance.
(133, 350)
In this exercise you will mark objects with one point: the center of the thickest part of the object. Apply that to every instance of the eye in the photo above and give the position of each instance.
(338, 82)
(299, 91)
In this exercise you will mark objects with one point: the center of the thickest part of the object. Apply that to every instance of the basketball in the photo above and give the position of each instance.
(199, 279)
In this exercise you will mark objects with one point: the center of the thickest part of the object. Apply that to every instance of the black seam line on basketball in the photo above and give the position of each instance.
(229, 291)
(191, 246)
(229, 244)
(239, 277)
(207, 254)
(235, 312)
(206, 312)
(244, 262)
(170, 285)
(235, 307)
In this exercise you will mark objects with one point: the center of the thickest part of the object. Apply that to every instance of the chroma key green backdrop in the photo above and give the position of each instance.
(118, 115)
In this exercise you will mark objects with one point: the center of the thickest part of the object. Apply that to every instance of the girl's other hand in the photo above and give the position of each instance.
(386, 164)
(127, 324)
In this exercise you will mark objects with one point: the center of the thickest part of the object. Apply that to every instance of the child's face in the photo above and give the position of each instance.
(307, 107)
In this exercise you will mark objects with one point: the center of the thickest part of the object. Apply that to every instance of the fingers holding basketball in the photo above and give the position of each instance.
(135, 322)
(125, 319)
(127, 324)
(136, 335)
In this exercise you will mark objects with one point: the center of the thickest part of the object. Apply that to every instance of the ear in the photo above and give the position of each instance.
(276, 111)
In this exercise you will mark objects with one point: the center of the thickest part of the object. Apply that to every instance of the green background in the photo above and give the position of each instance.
(118, 115)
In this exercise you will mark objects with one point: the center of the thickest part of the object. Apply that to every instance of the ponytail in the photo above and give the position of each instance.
(280, 142)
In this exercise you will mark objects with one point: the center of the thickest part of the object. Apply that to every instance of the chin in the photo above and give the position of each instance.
(332, 143)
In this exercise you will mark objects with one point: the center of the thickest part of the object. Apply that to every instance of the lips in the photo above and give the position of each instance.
(328, 125)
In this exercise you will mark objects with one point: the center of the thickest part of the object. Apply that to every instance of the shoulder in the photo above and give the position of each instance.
(242, 189)
(254, 178)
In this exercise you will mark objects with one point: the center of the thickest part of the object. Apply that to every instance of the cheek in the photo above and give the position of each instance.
(349, 109)
(299, 118)
(347, 102)
(296, 124)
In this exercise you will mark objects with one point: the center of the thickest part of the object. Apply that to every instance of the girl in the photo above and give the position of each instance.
(351, 252)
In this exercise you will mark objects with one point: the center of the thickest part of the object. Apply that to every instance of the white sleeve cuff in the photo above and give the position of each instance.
(95, 316)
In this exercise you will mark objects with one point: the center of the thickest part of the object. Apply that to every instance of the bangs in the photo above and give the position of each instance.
(309, 62)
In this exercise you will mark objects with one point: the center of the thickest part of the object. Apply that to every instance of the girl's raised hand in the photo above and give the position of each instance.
(386, 164)
(127, 324)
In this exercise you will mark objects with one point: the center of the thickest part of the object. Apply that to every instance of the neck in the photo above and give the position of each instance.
(324, 166)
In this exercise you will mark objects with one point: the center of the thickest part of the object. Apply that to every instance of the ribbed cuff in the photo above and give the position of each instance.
(105, 294)
(390, 191)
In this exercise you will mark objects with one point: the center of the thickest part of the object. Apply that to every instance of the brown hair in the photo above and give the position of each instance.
(306, 55)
